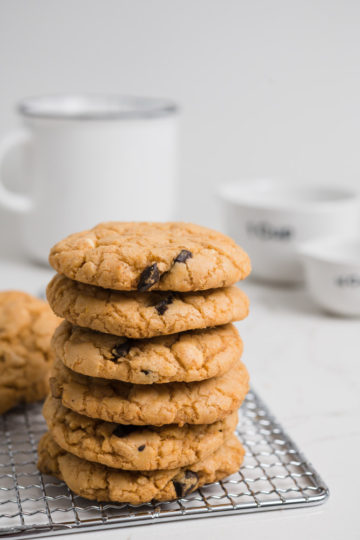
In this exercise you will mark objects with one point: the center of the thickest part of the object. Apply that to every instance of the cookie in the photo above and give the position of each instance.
(181, 403)
(98, 482)
(142, 448)
(139, 315)
(189, 356)
(26, 327)
(151, 256)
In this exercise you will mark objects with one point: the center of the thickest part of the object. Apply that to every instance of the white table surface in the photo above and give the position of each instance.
(305, 365)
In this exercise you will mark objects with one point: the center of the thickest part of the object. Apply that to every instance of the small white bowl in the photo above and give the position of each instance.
(332, 271)
(270, 219)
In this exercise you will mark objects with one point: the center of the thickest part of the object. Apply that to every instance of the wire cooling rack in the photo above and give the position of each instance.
(274, 475)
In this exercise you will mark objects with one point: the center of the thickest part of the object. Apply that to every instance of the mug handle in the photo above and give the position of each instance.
(10, 200)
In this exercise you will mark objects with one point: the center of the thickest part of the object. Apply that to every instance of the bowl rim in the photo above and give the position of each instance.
(315, 250)
(246, 189)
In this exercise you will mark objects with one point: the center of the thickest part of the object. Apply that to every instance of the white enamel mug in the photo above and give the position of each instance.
(90, 158)
(271, 218)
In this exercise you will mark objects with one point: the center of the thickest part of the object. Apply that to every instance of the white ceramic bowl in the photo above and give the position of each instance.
(270, 219)
(332, 271)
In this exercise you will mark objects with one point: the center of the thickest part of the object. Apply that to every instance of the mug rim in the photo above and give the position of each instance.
(95, 106)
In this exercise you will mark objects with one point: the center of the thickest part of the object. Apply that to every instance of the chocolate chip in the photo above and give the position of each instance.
(141, 447)
(145, 371)
(186, 483)
(178, 488)
(121, 350)
(183, 256)
(162, 306)
(123, 431)
(191, 475)
(148, 278)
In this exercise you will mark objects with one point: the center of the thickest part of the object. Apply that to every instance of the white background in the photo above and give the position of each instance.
(266, 87)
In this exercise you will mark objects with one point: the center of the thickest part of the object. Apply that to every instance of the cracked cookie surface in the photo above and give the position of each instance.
(26, 327)
(98, 482)
(151, 256)
(188, 356)
(140, 315)
(142, 448)
(181, 403)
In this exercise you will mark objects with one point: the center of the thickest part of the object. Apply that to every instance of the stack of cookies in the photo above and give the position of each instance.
(147, 378)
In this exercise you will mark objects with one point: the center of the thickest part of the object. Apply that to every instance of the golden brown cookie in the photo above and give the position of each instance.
(189, 356)
(181, 403)
(144, 315)
(142, 448)
(26, 327)
(98, 482)
(157, 256)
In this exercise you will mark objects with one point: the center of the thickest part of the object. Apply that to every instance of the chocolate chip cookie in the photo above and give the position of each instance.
(188, 356)
(142, 448)
(180, 403)
(151, 256)
(98, 482)
(139, 315)
(26, 326)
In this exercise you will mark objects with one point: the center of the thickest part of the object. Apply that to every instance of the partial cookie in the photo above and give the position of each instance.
(101, 483)
(157, 256)
(189, 356)
(26, 327)
(181, 403)
(144, 315)
(142, 448)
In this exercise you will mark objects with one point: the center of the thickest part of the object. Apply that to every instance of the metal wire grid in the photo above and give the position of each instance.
(274, 475)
